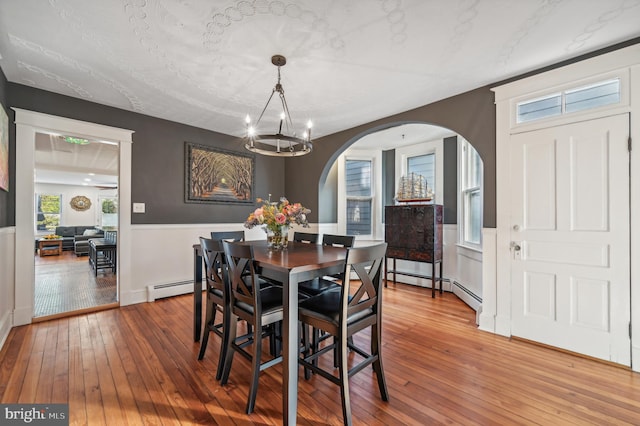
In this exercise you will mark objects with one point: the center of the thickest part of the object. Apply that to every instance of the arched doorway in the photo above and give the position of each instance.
(455, 180)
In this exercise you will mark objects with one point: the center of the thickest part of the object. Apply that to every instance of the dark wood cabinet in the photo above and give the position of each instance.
(414, 232)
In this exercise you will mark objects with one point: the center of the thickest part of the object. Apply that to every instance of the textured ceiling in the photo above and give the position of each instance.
(207, 63)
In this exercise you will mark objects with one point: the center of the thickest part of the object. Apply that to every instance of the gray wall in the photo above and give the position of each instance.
(450, 190)
(158, 153)
(158, 163)
(470, 114)
(7, 198)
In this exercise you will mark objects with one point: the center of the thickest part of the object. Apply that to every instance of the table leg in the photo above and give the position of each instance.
(385, 271)
(290, 352)
(441, 277)
(197, 295)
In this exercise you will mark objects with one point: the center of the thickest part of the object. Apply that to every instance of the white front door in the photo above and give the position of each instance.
(570, 237)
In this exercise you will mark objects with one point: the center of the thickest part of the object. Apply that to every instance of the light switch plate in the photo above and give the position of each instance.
(138, 207)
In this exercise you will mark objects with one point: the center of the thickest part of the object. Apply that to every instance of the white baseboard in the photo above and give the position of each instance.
(5, 328)
(133, 297)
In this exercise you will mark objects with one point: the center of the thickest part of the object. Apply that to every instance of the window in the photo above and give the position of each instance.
(470, 223)
(423, 165)
(572, 100)
(359, 188)
(48, 212)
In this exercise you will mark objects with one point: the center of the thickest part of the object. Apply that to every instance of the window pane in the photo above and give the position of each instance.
(593, 96)
(473, 171)
(424, 165)
(473, 214)
(48, 212)
(539, 108)
(358, 175)
(359, 217)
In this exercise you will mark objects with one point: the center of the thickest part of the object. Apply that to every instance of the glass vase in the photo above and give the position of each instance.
(277, 237)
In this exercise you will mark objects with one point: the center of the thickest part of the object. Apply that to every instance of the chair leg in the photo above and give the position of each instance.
(208, 321)
(305, 350)
(255, 367)
(224, 347)
(228, 358)
(376, 338)
(344, 380)
(315, 344)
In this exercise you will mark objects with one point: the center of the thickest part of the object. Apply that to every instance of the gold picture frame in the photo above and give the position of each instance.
(80, 203)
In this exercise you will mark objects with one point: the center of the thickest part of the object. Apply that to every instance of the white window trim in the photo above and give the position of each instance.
(461, 207)
(429, 147)
(376, 203)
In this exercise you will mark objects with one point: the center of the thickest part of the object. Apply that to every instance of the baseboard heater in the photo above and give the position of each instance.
(466, 295)
(159, 291)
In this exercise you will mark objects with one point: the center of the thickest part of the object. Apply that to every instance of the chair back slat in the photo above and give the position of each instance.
(305, 237)
(213, 255)
(363, 292)
(345, 241)
(241, 272)
(227, 235)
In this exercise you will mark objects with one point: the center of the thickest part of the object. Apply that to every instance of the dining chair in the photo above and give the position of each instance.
(319, 285)
(217, 298)
(338, 240)
(228, 235)
(345, 311)
(260, 306)
(305, 237)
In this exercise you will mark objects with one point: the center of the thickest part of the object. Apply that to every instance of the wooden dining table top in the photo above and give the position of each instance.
(299, 256)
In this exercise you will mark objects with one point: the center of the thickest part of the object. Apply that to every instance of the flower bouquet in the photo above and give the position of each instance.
(276, 217)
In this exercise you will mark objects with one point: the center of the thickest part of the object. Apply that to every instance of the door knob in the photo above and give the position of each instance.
(515, 246)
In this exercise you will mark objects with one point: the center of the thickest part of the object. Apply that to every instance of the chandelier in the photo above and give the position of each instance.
(285, 142)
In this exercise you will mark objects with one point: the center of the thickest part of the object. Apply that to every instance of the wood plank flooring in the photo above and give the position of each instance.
(138, 365)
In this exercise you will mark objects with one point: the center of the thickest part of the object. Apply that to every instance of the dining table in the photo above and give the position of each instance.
(297, 263)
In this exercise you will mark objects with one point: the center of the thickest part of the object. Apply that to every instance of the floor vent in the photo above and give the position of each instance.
(158, 291)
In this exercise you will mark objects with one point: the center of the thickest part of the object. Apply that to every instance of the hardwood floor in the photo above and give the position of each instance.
(138, 365)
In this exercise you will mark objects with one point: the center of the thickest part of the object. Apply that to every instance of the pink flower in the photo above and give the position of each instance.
(281, 218)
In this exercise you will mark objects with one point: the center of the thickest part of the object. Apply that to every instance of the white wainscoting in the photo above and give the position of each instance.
(7, 281)
(162, 257)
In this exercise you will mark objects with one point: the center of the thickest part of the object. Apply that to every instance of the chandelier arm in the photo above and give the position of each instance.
(285, 108)
(265, 107)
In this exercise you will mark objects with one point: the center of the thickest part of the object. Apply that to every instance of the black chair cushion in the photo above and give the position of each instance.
(271, 298)
(316, 286)
(216, 291)
(326, 306)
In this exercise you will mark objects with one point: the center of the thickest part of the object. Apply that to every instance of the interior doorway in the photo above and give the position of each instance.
(28, 124)
(76, 201)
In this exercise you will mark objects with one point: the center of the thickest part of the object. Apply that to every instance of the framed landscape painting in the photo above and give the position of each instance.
(4, 150)
(215, 175)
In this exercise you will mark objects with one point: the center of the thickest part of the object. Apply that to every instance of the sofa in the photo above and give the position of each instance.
(69, 234)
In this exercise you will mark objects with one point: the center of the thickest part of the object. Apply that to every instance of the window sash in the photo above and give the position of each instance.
(424, 165)
(49, 208)
(359, 185)
(577, 99)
